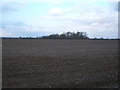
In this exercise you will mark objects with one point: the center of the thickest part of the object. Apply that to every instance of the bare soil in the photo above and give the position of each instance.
(35, 63)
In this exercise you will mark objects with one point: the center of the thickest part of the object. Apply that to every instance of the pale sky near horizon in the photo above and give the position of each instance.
(43, 17)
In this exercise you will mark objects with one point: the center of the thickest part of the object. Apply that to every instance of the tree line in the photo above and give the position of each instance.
(67, 35)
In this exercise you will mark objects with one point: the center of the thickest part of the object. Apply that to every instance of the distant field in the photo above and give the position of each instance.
(35, 63)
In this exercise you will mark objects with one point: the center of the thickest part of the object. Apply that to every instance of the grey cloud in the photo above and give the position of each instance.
(19, 24)
(6, 24)
(10, 7)
(21, 31)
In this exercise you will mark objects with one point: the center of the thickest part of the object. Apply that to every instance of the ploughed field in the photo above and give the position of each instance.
(36, 63)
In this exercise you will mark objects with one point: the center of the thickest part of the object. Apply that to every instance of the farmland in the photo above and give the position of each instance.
(37, 63)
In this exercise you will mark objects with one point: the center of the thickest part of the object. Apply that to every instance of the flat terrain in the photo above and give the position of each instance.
(35, 63)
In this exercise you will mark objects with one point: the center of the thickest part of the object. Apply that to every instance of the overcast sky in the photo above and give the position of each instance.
(99, 18)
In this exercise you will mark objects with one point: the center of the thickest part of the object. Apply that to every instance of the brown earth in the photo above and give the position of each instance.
(35, 63)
